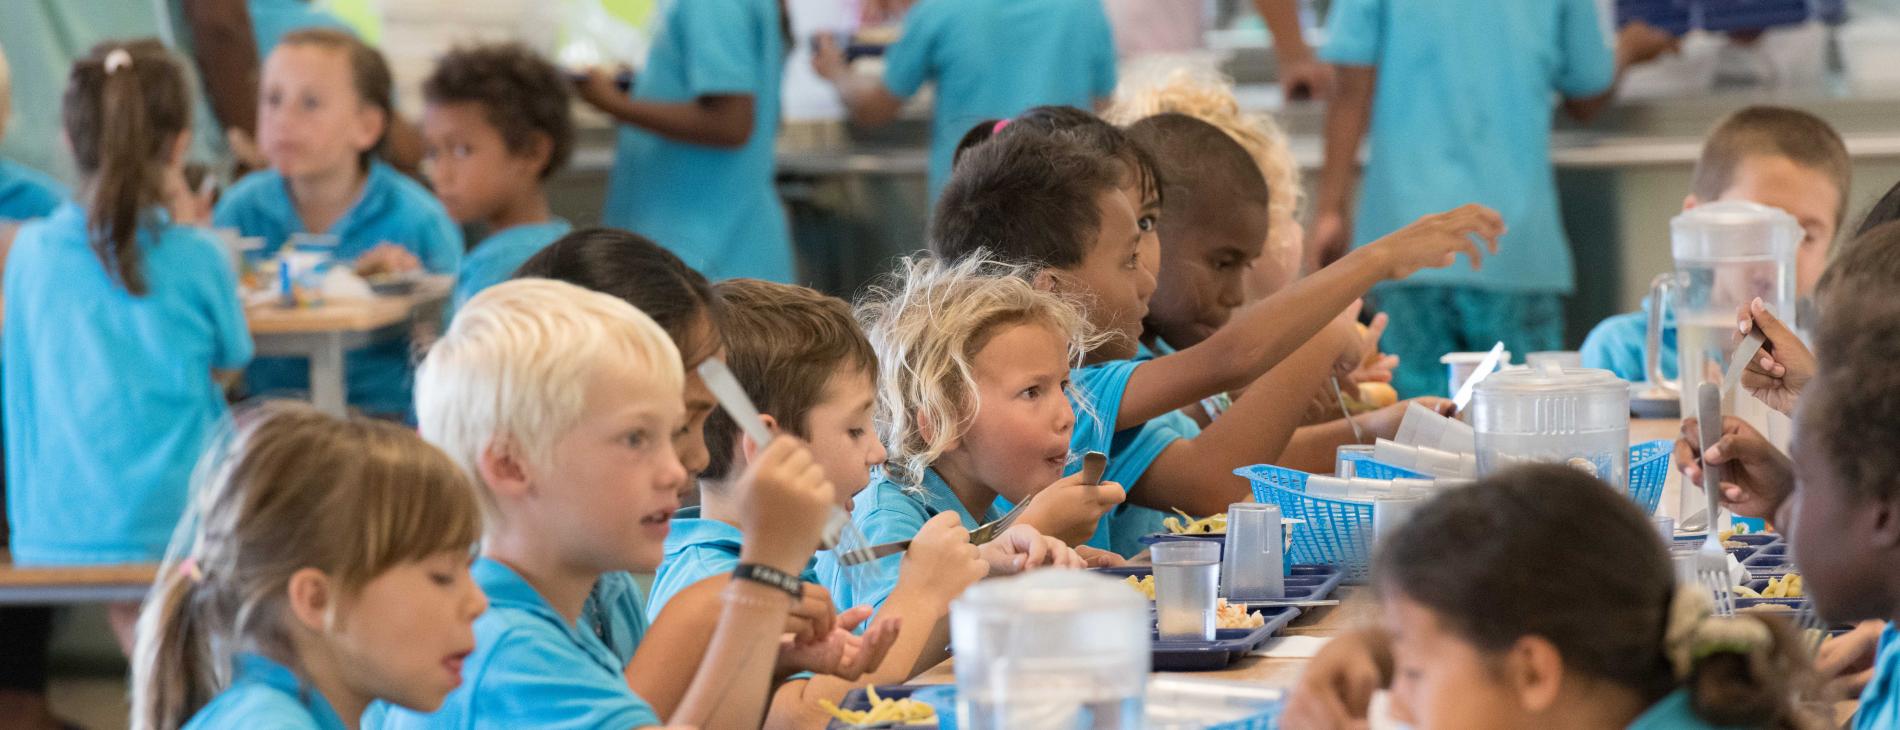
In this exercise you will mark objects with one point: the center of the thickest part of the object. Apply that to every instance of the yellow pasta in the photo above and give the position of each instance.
(883, 710)
(1213, 525)
(1226, 615)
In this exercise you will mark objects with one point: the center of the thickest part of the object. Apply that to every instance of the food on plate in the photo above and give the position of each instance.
(1214, 525)
(1226, 615)
(1786, 586)
(883, 710)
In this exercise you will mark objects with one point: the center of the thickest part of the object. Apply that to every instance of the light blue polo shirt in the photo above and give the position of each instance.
(1131, 452)
(1880, 701)
(698, 548)
(393, 209)
(994, 59)
(531, 669)
(1461, 113)
(496, 258)
(889, 512)
(109, 397)
(271, 19)
(617, 613)
(718, 208)
(26, 193)
(1674, 712)
(1619, 343)
(265, 694)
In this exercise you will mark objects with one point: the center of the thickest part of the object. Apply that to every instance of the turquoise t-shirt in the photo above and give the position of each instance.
(26, 193)
(393, 209)
(1619, 343)
(698, 548)
(271, 19)
(1880, 701)
(718, 208)
(265, 694)
(496, 258)
(889, 512)
(994, 59)
(1131, 452)
(531, 668)
(1673, 713)
(1461, 113)
(109, 397)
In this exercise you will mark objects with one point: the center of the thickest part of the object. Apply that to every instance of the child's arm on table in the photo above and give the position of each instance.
(1263, 333)
(1335, 690)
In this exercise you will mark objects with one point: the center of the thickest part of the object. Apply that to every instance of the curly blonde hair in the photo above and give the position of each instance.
(1197, 90)
(927, 320)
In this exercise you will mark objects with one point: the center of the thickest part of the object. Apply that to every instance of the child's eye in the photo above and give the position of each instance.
(1032, 392)
(856, 433)
(637, 439)
(1147, 223)
(461, 151)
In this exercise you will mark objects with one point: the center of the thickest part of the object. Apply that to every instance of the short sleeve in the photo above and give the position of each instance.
(440, 241)
(1097, 398)
(1586, 67)
(1354, 32)
(721, 45)
(907, 63)
(532, 680)
(870, 584)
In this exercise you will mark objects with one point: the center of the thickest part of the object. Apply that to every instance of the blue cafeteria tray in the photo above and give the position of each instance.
(1228, 646)
(859, 701)
(1303, 582)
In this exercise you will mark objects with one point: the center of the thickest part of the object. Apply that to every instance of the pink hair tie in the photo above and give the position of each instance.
(189, 569)
(1000, 124)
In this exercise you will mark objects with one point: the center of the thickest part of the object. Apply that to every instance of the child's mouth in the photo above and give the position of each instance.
(453, 663)
(659, 518)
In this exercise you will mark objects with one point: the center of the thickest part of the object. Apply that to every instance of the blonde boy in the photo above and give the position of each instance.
(561, 402)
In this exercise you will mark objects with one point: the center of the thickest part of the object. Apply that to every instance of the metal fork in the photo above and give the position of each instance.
(1711, 564)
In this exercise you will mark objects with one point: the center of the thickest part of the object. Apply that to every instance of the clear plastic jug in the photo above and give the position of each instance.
(1576, 417)
(1051, 650)
(1727, 254)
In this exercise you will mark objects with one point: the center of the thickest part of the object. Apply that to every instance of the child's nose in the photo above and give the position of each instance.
(877, 454)
(475, 603)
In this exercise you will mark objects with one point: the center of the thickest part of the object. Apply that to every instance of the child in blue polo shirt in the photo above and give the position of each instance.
(694, 167)
(322, 114)
(119, 323)
(1779, 157)
(563, 404)
(496, 123)
(809, 368)
(974, 407)
(326, 568)
(1061, 200)
(989, 59)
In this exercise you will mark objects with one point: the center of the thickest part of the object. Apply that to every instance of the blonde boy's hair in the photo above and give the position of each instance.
(927, 321)
(515, 367)
(1202, 92)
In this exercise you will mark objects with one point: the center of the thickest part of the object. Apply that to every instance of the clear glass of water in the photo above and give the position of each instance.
(1187, 581)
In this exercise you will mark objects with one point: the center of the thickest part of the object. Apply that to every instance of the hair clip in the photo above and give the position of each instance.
(117, 59)
(1000, 124)
(189, 569)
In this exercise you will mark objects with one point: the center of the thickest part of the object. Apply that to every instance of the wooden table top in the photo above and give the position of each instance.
(347, 315)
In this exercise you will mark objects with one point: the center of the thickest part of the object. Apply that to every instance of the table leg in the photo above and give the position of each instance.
(328, 388)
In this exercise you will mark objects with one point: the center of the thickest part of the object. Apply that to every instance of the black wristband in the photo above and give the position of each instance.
(770, 576)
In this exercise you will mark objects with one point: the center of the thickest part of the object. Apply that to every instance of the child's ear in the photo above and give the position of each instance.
(312, 598)
(503, 467)
(1534, 670)
(751, 448)
(1886, 522)
(540, 150)
(927, 429)
(1047, 280)
(371, 122)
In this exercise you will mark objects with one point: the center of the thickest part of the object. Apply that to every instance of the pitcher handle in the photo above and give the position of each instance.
(1659, 291)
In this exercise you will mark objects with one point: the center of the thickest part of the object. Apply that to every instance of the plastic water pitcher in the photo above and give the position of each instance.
(1579, 418)
(1051, 650)
(1727, 254)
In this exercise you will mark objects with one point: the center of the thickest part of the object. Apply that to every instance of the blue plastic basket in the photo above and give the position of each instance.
(1339, 532)
(1375, 469)
(1649, 468)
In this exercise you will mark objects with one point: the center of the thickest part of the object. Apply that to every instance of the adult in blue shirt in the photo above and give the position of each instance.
(271, 19)
(694, 166)
(1455, 119)
(990, 59)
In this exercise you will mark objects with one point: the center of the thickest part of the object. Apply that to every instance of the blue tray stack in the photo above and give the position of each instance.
(1678, 17)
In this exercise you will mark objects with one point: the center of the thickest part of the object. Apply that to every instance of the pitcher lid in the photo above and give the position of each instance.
(1543, 381)
(1733, 228)
(1052, 591)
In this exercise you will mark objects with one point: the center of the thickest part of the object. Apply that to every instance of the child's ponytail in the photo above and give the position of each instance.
(1742, 670)
(124, 107)
(172, 645)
